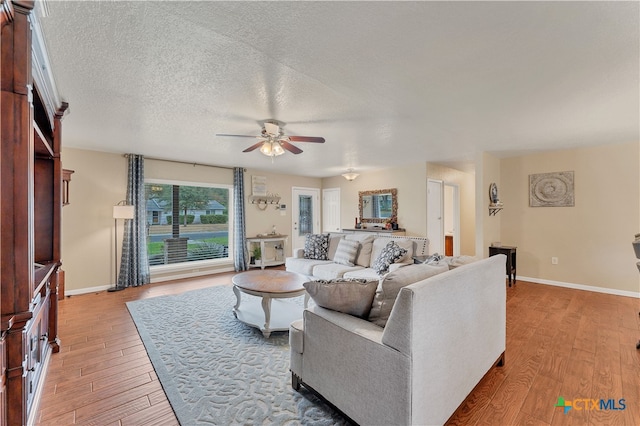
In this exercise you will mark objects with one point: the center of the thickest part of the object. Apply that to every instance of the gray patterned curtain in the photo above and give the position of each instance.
(239, 230)
(134, 265)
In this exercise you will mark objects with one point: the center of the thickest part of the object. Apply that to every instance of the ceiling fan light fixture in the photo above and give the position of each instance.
(271, 149)
(350, 175)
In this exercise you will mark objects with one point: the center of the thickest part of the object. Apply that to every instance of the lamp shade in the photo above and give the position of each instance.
(123, 212)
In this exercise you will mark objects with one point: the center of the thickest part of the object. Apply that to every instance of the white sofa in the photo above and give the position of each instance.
(443, 335)
(370, 248)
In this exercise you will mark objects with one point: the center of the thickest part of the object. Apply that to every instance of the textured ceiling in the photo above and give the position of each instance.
(385, 83)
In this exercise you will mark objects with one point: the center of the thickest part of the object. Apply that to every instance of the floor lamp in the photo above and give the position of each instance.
(120, 211)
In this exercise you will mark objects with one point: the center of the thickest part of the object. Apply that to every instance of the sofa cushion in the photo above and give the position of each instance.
(316, 246)
(390, 285)
(362, 273)
(381, 242)
(334, 240)
(303, 266)
(370, 273)
(331, 271)
(406, 244)
(346, 252)
(456, 261)
(350, 296)
(391, 253)
(366, 245)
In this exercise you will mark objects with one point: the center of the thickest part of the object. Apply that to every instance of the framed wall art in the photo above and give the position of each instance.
(551, 190)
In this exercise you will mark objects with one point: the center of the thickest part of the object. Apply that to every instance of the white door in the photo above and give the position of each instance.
(435, 225)
(331, 210)
(451, 209)
(305, 214)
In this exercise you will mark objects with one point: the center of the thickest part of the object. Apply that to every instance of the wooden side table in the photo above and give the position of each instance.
(510, 252)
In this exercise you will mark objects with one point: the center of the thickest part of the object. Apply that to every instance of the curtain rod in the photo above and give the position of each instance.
(183, 162)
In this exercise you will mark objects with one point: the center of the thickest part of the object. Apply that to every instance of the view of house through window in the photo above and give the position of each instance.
(186, 223)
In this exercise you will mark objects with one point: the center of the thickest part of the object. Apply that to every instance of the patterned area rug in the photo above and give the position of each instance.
(217, 370)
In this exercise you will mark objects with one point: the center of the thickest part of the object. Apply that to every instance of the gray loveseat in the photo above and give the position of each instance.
(443, 335)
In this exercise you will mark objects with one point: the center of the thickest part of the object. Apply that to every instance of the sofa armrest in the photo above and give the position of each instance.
(346, 362)
(298, 253)
(348, 323)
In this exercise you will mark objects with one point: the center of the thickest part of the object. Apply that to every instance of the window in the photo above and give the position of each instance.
(187, 223)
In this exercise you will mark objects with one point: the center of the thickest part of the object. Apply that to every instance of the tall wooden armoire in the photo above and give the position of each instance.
(30, 211)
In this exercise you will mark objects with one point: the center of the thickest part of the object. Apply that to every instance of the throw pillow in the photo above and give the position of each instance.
(346, 252)
(366, 245)
(391, 284)
(433, 259)
(391, 253)
(456, 261)
(350, 296)
(316, 246)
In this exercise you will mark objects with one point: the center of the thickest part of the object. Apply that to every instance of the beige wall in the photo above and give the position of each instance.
(591, 240)
(262, 221)
(488, 228)
(411, 183)
(466, 185)
(100, 181)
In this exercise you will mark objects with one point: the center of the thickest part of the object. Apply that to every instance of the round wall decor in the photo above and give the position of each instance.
(551, 189)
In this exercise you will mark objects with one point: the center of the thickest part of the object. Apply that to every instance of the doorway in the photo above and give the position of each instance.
(331, 210)
(435, 223)
(451, 214)
(443, 217)
(305, 214)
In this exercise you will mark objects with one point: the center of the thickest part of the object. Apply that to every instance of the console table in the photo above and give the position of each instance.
(378, 231)
(510, 252)
(273, 242)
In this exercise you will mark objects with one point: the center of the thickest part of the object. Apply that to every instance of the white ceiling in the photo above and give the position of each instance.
(385, 83)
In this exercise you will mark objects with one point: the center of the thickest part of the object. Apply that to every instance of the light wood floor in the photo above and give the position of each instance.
(560, 342)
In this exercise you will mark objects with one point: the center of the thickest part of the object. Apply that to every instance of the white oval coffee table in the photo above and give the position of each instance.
(272, 312)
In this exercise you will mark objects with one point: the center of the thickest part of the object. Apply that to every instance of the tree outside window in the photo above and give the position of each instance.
(187, 223)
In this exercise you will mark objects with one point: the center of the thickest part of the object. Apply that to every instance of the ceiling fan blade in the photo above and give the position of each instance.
(272, 129)
(306, 139)
(254, 146)
(236, 136)
(291, 148)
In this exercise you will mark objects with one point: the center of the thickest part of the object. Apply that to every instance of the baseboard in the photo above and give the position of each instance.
(177, 276)
(190, 273)
(86, 290)
(582, 287)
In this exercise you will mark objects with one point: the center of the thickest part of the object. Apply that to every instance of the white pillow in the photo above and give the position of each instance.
(346, 252)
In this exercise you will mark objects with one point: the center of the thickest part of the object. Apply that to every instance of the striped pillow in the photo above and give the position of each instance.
(346, 252)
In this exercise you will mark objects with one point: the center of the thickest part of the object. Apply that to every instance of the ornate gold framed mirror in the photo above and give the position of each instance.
(378, 206)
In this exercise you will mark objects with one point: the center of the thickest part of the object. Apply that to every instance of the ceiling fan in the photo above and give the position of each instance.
(273, 142)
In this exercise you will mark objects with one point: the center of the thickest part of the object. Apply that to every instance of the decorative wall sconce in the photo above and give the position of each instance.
(494, 202)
